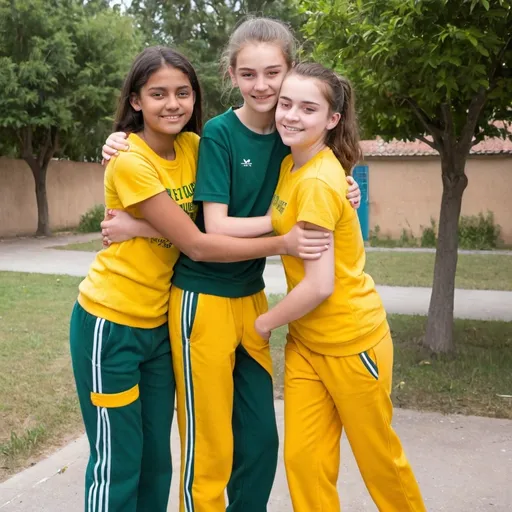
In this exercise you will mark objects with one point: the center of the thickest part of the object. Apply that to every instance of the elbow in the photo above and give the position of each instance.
(196, 248)
(213, 228)
(323, 290)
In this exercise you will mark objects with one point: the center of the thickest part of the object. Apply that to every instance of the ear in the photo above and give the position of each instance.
(135, 102)
(334, 120)
(232, 75)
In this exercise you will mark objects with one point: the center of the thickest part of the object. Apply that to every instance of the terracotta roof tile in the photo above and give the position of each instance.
(378, 147)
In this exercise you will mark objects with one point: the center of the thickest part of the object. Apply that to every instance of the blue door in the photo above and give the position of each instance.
(361, 176)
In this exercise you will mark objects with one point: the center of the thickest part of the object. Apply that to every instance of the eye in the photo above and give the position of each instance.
(157, 95)
(309, 110)
(273, 73)
(247, 75)
(184, 94)
(284, 104)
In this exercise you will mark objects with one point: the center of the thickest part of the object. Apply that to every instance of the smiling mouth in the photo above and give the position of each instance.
(172, 118)
(265, 97)
(292, 129)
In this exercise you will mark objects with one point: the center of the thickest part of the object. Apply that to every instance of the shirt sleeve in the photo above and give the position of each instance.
(213, 181)
(318, 204)
(135, 179)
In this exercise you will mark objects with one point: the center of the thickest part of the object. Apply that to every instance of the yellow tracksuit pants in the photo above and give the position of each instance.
(225, 402)
(325, 394)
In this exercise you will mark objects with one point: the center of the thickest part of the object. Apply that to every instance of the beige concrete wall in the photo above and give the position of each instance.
(406, 192)
(73, 187)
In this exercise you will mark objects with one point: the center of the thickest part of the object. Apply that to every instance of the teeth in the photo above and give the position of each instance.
(171, 117)
(292, 129)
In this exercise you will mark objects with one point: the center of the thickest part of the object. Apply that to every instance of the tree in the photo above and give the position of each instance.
(434, 70)
(62, 64)
(200, 29)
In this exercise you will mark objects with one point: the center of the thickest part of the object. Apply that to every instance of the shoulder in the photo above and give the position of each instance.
(188, 141)
(328, 170)
(131, 162)
(219, 127)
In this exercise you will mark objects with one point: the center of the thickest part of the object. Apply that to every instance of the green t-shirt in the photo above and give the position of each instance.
(240, 168)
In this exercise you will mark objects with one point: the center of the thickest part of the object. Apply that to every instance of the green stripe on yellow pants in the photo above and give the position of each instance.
(225, 402)
(325, 394)
(125, 386)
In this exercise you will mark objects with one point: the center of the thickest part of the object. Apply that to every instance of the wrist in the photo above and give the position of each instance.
(262, 323)
(283, 248)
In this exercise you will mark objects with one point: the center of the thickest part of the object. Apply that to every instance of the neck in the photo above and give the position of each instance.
(259, 122)
(302, 155)
(161, 143)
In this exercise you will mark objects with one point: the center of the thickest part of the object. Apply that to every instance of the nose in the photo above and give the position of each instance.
(292, 115)
(172, 103)
(260, 84)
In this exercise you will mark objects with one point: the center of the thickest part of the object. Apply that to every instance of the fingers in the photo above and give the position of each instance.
(307, 256)
(311, 234)
(350, 180)
(353, 194)
(314, 249)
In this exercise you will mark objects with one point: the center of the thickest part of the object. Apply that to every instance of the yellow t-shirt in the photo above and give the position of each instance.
(129, 283)
(352, 319)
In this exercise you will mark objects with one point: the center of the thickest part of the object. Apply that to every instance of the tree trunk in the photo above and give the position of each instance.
(43, 217)
(439, 334)
(39, 167)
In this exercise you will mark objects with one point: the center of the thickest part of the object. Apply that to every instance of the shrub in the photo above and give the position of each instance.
(428, 235)
(90, 221)
(478, 232)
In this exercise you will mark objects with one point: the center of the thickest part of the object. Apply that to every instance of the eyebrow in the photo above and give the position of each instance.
(304, 102)
(276, 66)
(163, 88)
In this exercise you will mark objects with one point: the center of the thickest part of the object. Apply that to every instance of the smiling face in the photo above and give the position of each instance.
(259, 74)
(303, 114)
(166, 101)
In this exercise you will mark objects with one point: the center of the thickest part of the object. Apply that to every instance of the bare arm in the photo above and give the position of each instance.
(175, 225)
(120, 226)
(218, 222)
(317, 286)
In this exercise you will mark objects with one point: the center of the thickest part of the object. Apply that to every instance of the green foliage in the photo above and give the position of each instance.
(201, 29)
(418, 65)
(90, 221)
(479, 232)
(62, 67)
(428, 235)
(407, 239)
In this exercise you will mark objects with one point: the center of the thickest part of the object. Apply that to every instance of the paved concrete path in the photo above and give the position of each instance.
(36, 255)
(462, 463)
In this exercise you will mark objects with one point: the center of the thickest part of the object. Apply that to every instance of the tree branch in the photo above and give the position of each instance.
(44, 150)
(427, 142)
(474, 110)
(425, 120)
(446, 112)
(497, 62)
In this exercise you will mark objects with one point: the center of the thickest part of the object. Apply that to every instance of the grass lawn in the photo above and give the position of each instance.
(92, 246)
(39, 410)
(38, 406)
(467, 383)
(474, 271)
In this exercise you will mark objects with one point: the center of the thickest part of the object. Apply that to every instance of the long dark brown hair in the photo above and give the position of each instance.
(146, 63)
(343, 139)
